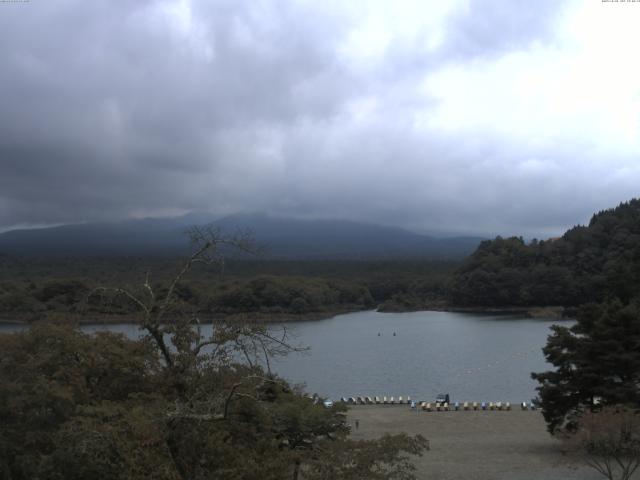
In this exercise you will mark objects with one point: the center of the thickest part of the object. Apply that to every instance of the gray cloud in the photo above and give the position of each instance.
(112, 109)
(489, 28)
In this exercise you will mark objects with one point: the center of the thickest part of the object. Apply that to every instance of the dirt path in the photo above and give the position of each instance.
(481, 445)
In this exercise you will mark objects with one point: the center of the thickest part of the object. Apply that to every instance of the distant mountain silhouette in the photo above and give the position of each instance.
(284, 238)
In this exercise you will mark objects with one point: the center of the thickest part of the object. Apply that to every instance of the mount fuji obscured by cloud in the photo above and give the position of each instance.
(280, 237)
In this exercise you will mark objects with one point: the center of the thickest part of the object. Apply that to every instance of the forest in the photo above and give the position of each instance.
(178, 405)
(33, 288)
(587, 264)
(174, 404)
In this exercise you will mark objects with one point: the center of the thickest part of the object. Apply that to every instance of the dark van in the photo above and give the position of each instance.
(442, 398)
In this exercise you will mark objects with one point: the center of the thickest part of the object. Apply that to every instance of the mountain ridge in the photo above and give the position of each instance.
(282, 237)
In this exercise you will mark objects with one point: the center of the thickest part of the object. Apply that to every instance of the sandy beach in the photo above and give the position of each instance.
(475, 445)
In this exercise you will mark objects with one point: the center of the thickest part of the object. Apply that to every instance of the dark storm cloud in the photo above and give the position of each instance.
(111, 109)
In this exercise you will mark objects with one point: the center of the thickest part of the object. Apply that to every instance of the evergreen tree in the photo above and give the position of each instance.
(597, 363)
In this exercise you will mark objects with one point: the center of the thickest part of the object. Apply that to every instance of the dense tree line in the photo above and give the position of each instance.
(173, 405)
(78, 406)
(38, 289)
(588, 263)
(593, 393)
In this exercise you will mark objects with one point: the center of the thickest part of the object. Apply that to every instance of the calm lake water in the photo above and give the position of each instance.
(471, 356)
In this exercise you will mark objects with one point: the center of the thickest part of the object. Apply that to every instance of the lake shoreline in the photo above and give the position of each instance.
(535, 312)
(419, 354)
(258, 317)
(545, 312)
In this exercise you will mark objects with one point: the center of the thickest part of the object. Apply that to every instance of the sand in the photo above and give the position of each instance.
(476, 445)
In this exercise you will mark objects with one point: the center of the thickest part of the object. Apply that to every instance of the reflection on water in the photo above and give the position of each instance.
(471, 356)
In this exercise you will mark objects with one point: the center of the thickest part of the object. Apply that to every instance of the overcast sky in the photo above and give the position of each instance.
(471, 116)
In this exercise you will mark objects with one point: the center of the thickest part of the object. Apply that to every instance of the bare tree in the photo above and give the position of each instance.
(177, 333)
(609, 440)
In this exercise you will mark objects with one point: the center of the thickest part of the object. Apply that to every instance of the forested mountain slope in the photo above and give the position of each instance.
(588, 263)
(281, 238)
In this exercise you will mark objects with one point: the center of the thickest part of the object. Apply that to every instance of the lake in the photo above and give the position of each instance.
(472, 357)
